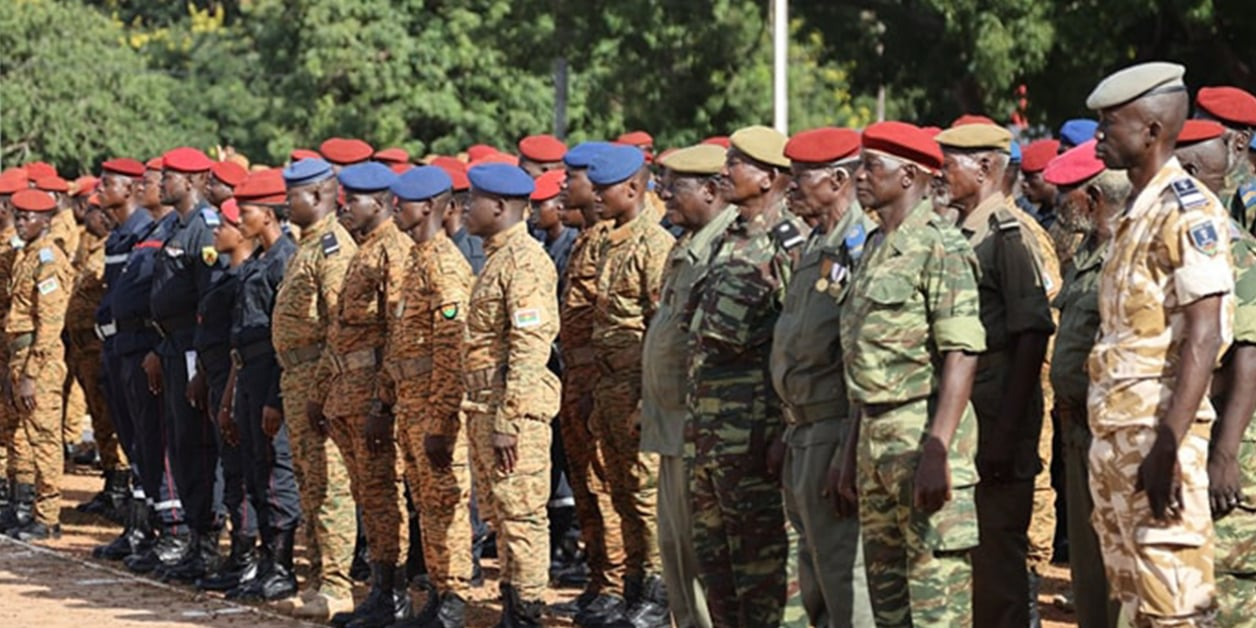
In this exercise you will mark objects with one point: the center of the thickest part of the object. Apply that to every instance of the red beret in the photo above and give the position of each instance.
(495, 158)
(969, 118)
(542, 148)
(718, 140)
(298, 154)
(185, 159)
(905, 141)
(549, 185)
(40, 169)
(635, 138)
(124, 166)
(32, 201)
(1196, 130)
(156, 163)
(264, 187)
(822, 146)
(93, 200)
(229, 172)
(932, 130)
(478, 151)
(456, 171)
(1036, 156)
(85, 185)
(341, 151)
(1077, 165)
(393, 156)
(1228, 104)
(401, 167)
(230, 211)
(52, 184)
(10, 183)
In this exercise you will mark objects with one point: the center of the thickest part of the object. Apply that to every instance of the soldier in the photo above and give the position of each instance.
(546, 219)
(12, 440)
(308, 298)
(341, 152)
(691, 190)
(539, 154)
(1089, 199)
(1204, 152)
(423, 379)
(65, 228)
(511, 395)
(1037, 155)
(808, 378)
(224, 177)
(471, 246)
(1007, 395)
(910, 331)
(1235, 109)
(346, 387)
(40, 285)
(181, 277)
(1166, 311)
(734, 414)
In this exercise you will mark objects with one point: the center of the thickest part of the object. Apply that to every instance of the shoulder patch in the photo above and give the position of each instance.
(1188, 194)
(210, 255)
(854, 241)
(1203, 237)
(450, 311)
(48, 286)
(211, 217)
(46, 256)
(1247, 194)
(17, 242)
(1006, 220)
(331, 245)
(523, 319)
(787, 235)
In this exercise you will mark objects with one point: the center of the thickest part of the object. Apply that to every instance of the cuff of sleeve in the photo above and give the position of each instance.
(1245, 324)
(1194, 282)
(960, 334)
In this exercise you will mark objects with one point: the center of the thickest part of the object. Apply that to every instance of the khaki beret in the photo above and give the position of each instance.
(703, 159)
(1135, 82)
(762, 144)
(975, 137)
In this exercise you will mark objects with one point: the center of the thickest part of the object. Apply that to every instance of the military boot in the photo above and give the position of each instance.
(509, 599)
(37, 531)
(450, 611)
(99, 502)
(119, 489)
(23, 508)
(377, 596)
(135, 533)
(239, 568)
(200, 558)
(6, 503)
(1035, 585)
(526, 613)
(650, 608)
(608, 608)
(395, 606)
(169, 550)
(28, 528)
(280, 581)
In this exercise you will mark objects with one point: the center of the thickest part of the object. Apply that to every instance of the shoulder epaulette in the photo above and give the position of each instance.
(1247, 194)
(210, 216)
(854, 241)
(46, 255)
(787, 235)
(1005, 220)
(330, 244)
(1188, 194)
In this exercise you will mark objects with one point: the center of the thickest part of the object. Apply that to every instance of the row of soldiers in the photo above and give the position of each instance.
(844, 361)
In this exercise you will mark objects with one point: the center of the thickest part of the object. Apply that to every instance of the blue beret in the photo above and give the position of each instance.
(422, 183)
(501, 180)
(306, 171)
(581, 156)
(1015, 150)
(615, 163)
(370, 176)
(1078, 131)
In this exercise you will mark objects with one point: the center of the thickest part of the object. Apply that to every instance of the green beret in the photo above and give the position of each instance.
(1144, 79)
(702, 160)
(762, 144)
(975, 137)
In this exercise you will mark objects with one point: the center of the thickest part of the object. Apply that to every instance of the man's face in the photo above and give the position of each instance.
(547, 214)
(1073, 206)
(303, 205)
(114, 190)
(812, 190)
(1038, 190)
(1207, 161)
(578, 189)
(360, 210)
(742, 178)
(151, 189)
(218, 192)
(1124, 136)
(482, 215)
(961, 173)
(253, 219)
(98, 221)
(30, 225)
(615, 201)
(174, 186)
(409, 214)
(688, 207)
(879, 180)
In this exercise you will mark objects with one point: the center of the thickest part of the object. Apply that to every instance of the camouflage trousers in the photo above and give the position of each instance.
(919, 567)
(600, 529)
(685, 597)
(829, 550)
(1236, 554)
(43, 463)
(1094, 607)
(376, 484)
(515, 502)
(442, 499)
(85, 365)
(15, 450)
(1161, 572)
(1042, 520)
(73, 407)
(633, 474)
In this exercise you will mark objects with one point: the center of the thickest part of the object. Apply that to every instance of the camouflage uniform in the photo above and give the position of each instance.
(664, 414)
(1013, 301)
(347, 383)
(40, 290)
(423, 372)
(13, 445)
(600, 529)
(511, 322)
(85, 360)
(64, 231)
(307, 300)
(914, 298)
(739, 519)
(1168, 252)
(808, 380)
(1078, 307)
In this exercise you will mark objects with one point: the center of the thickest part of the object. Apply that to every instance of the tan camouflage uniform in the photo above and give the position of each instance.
(13, 445)
(84, 349)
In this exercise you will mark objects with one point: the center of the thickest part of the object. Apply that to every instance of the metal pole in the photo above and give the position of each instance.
(780, 65)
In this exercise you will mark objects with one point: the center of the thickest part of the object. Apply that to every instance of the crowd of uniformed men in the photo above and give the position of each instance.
(820, 373)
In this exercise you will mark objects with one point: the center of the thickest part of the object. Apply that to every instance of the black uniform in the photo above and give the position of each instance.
(118, 248)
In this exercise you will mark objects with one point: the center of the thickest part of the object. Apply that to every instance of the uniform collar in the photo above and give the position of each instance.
(321, 226)
(431, 243)
(627, 230)
(977, 224)
(385, 228)
(502, 238)
(1140, 205)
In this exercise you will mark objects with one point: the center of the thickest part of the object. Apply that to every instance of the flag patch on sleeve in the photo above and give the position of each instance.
(530, 317)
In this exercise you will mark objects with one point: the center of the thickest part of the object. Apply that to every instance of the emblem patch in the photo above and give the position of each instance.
(524, 319)
(450, 312)
(48, 286)
(209, 254)
(1204, 237)
(46, 256)
(330, 245)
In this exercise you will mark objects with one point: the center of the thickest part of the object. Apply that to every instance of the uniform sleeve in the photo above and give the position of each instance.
(1020, 284)
(202, 269)
(950, 283)
(532, 319)
(50, 300)
(331, 270)
(1198, 250)
(452, 283)
(1244, 292)
(654, 267)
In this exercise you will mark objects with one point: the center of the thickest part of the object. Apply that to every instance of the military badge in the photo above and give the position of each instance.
(526, 318)
(210, 255)
(331, 245)
(450, 311)
(1203, 236)
(48, 286)
(46, 256)
(1188, 194)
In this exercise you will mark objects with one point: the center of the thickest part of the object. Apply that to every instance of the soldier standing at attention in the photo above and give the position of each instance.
(690, 188)
(808, 378)
(12, 440)
(739, 519)
(539, 154)
(1235, 110)
(511, 395)
(225, 177)
(40, 285)
(1166, 311)
(1007, 392)
(308, 299)
(1090, 198)
(910, 332)
(347, 385)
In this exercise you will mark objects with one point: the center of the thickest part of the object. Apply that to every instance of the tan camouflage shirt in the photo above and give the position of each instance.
(629, 283)
(89, 284)
(64, 230)
(580, 294)
(40, 288)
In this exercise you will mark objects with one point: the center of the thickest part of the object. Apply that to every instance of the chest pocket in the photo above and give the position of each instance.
(487, 312)
(733, 307)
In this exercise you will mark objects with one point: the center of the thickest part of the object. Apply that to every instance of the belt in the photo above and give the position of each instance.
(21, 341)
(410, 368)
(874, 410)
(250, 352)
(991, 359)
(355, 360)
(622, 360)
(292, 358)
(174, 324)
(816, 412)
(106, 331)
(133, 324)
(485, 378)
(579, 356)
(216, 355)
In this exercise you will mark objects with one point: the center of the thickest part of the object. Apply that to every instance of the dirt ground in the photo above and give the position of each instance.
(59, 585)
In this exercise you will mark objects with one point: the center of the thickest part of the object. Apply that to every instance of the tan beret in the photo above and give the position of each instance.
(975, 137)
(1135, 82)
(762, 144)
(703, 159)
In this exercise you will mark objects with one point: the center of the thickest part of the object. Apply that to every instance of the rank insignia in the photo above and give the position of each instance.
(1203, 236)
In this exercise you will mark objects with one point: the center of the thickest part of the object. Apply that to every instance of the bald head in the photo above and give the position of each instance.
(1208, 161)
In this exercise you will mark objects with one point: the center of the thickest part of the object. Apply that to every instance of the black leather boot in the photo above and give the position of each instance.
(99, 502)
(608, 608)
(280, 581)
(377, 596)
(1035, 585)
(396, 600)
(523, 613)
(240, 566)
(650, 608)
(200, 558)
(119, 489)
(168, 551)
(136, 535)
(449, 610)
(509, 599)
(23, 508)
